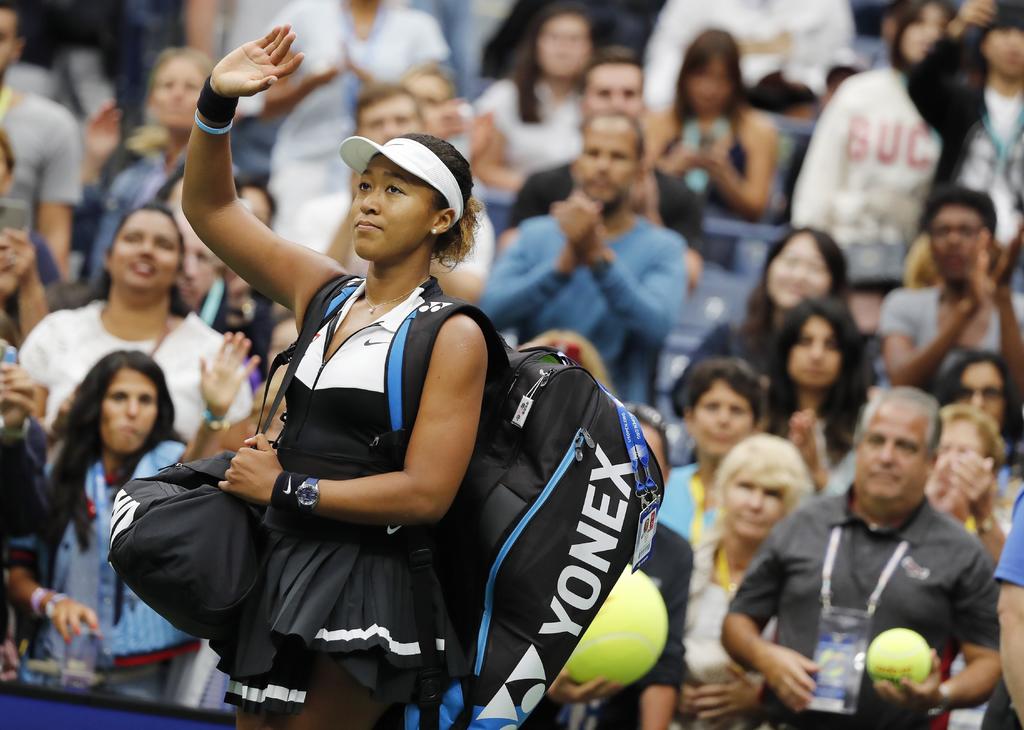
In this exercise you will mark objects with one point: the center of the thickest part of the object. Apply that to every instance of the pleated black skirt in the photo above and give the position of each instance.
(351, 599)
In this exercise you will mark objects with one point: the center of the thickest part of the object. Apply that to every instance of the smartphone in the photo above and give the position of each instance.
(1009, 14)
(13, 214)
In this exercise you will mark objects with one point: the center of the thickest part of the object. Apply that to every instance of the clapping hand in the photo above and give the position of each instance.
(740, 695)
(256, 65)
(802, 434)
(102, 134)
(224, 375)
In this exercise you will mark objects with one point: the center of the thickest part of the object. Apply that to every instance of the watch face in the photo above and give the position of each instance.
(308, 494)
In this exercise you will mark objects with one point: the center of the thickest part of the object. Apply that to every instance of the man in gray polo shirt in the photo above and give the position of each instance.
(888, 549)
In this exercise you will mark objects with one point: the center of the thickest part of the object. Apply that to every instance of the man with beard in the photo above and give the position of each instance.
(972, 306)
(595, 266)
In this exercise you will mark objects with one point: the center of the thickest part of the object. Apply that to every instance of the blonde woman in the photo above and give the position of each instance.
(174, 87)
(760, 481)
(963, 482)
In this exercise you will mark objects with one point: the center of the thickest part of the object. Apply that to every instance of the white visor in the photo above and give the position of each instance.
(412, 157)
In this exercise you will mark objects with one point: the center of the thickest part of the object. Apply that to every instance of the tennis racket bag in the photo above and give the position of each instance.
(560, 496)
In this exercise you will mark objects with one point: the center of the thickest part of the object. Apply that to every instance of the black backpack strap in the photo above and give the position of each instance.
(409, 358)
(323, 304)
(430, 677)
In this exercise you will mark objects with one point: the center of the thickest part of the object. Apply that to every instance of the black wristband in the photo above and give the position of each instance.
(216, 109)
(283, 496)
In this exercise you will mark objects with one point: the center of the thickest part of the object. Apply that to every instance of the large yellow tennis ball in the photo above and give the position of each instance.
(626, 637)
(899, 653)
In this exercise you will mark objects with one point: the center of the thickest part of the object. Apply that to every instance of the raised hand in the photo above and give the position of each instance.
(1006, 261)
(103, 133)
(256, 65)
(224, 375)
(17, 394)
(979, 13)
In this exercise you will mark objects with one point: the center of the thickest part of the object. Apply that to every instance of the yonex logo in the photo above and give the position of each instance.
(603, 514)
(502, 707)
(434, 306)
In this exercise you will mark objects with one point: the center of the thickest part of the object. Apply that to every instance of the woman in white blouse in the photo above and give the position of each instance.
(759, 482)
(137, 308)
(530, 121)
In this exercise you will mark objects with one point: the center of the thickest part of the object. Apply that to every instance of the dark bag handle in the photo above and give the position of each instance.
(316, 312)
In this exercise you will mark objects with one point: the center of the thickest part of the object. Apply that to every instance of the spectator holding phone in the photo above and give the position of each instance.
(46, 138)
(710, 137)
(23, 495)
(26, 263)
(982, 135)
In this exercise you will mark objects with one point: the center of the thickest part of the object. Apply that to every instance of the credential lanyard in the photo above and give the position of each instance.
(1003, 146)
(107, 593)
(883, 580)
(636, 445)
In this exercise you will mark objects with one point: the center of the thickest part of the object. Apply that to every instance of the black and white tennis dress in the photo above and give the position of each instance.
(330, 586)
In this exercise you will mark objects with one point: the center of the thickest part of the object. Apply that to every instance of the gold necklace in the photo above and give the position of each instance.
(373, 307)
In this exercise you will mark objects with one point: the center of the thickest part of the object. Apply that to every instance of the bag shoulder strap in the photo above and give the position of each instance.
(409, 357)
(321, 307)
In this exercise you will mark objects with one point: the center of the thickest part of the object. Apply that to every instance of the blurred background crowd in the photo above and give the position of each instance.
(748, 217)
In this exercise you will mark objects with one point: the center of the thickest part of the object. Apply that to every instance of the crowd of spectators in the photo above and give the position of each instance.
(787, 232)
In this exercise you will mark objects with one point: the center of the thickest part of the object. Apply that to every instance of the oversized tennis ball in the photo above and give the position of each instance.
(626, 637)
(899, 653)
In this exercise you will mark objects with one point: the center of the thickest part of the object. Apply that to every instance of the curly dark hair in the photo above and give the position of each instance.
(454, 245)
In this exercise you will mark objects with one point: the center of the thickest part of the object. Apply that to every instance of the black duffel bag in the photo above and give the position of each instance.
(164, 526)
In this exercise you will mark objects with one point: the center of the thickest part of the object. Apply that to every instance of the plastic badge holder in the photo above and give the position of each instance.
(78, 670)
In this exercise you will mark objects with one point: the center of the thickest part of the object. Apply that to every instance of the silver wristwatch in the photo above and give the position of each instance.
(307, 496)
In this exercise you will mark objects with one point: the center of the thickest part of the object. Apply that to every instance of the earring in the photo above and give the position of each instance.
(434, 231)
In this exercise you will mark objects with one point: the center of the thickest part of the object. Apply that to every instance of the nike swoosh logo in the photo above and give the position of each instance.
(367, 343)
(393, 530)
(288, 489)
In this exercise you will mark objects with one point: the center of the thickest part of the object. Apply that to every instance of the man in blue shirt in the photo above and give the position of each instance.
(1010, 574)
(594, 266)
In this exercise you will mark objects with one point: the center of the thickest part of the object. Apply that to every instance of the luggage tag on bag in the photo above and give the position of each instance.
(842, 644)
(645, 531)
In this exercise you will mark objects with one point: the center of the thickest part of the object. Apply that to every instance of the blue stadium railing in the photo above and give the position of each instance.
(27, 707)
